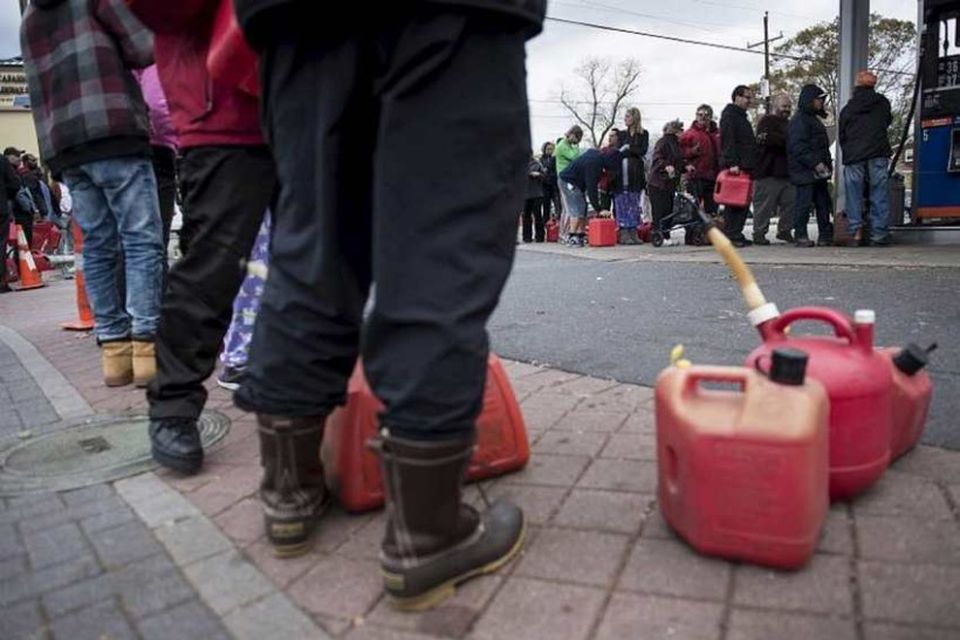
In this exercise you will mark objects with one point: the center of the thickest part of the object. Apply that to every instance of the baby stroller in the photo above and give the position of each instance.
(685, 215)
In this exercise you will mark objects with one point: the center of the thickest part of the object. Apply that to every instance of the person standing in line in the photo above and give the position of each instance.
(580, 186)
(94, 131)
(700, 144)
(566, 152)
(236, 344)
(864, 122)
(738, 154)
(378, 100)
(772, 191)
(633, 180)
(551, 194)
(9, 185)
(810, 166)
(533, 206)
(227, 180)
(163, 143)
(665, 171)
(23, 208)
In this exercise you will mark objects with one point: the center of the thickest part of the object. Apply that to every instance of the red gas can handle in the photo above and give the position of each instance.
(841, 323)
(713, 374)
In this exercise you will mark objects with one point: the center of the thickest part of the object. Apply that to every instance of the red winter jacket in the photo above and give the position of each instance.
(701, 148)
(204, 112)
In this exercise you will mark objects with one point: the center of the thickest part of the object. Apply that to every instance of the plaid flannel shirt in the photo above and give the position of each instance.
(78, 56)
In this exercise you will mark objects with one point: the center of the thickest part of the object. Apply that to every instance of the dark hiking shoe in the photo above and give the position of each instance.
(804, 243)
(761, 242)
(786, 236)
(434, 541)
(293, 491)
(175, 444)
(231, 377)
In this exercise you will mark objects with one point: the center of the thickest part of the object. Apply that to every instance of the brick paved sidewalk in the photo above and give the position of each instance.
(166, 557)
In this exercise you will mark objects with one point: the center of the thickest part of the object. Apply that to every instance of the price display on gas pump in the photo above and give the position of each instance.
(948, 72)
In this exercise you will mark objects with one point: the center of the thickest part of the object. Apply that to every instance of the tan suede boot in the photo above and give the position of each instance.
(144, 362)
(117, 358)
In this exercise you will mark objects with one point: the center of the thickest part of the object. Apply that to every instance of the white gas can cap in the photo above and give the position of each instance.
(865, 316)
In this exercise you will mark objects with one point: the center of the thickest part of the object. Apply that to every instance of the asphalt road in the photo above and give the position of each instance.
(619, 320)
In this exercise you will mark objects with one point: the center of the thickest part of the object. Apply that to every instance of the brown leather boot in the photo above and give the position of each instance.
(433, 540)
(117, 359)
(293, 491)
(144, 362)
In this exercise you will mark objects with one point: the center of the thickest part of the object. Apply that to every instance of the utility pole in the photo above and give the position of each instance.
(765, 87)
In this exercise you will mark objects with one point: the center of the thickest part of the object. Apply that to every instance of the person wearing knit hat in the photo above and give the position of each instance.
(865, 146)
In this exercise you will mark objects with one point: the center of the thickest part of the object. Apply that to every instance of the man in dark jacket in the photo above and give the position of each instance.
(810, 166)
(772, 191)
(93, 128)
(579, 186)
(358, 117)
(738, 153)
(227, 180)
(9, 185)
(864, 122)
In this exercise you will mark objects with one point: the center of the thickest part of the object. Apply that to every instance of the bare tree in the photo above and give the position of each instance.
(600, 93)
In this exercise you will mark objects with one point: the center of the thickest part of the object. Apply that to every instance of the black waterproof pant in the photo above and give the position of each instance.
(813, 196)
(376, 132)
(661, 203)
(533, 220)
(734, 219)
(165, 169)
(226, 191)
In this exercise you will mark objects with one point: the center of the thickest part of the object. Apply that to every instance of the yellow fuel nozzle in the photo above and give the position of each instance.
(677, 359)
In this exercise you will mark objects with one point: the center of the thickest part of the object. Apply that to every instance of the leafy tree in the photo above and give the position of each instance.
(892, 50)
(598, 98)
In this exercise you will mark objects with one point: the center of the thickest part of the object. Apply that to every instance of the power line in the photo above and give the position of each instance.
(700, 43)
(590, 4)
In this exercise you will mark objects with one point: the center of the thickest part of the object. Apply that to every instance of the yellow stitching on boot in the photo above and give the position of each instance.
(393, 580)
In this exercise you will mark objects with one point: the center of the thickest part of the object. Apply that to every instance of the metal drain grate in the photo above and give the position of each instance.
(98, 449)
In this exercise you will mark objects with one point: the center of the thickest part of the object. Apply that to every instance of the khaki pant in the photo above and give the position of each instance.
(772, 196)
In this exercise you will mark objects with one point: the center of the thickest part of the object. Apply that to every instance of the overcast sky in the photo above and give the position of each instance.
(676, 77)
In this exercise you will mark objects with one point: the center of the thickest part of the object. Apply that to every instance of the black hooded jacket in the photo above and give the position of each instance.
(863, 126)
(738, 145)
(585, 171)
(807, 141)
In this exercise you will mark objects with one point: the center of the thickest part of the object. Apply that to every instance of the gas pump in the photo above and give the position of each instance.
(936, 184)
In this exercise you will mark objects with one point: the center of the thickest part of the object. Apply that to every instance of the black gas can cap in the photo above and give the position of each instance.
(788, 366)
(912, 358)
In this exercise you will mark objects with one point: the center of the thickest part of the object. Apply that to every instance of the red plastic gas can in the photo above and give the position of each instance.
(743, 474)
(912, 392)
(354, 471)
(859, 384)
(602, 232)
(552, 228)
(733, 190)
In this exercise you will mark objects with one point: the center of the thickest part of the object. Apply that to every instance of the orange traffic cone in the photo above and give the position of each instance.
(85, 323)
(29, 275)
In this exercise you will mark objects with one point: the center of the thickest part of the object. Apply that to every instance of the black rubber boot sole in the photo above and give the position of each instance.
(185, 465)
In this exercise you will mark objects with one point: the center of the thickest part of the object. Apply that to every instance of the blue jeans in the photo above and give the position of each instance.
(115, 203)
(873, 171)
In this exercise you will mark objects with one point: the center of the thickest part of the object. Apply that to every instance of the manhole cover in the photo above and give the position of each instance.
(99, 449)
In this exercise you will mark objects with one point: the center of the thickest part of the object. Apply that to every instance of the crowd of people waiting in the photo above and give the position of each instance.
(786, 155)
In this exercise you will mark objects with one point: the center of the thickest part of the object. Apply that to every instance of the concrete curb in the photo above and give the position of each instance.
(250, 606)
(66, 400)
